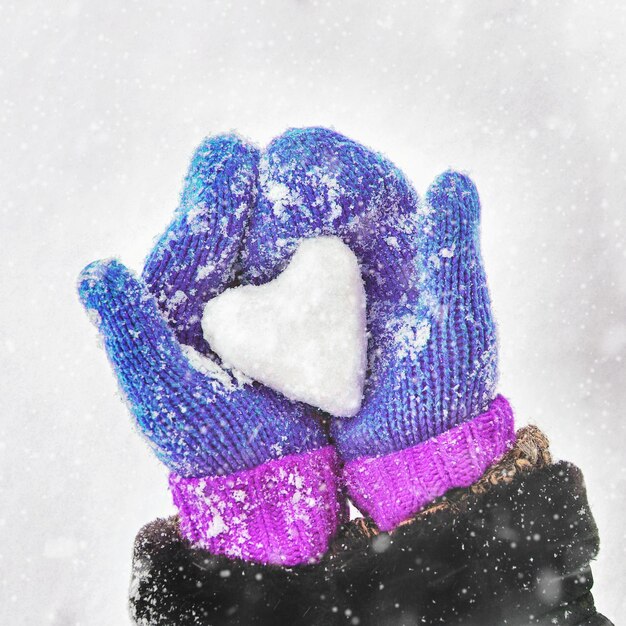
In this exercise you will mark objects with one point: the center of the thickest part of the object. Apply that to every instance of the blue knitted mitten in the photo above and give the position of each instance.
(238, 452)
(430, 418)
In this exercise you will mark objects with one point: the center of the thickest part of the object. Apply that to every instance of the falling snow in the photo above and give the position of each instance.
(98, 119)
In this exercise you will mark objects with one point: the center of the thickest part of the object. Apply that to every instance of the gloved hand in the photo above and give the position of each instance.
(252, 476)
(430, 419)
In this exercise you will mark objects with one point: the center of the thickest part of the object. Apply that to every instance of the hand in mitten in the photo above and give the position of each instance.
(251, 475)
(430, 418)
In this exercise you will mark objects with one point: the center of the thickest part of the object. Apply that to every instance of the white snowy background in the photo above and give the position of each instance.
(102, 104)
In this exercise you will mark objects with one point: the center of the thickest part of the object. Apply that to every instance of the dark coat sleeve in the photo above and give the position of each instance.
(519, 553)
(175, 585)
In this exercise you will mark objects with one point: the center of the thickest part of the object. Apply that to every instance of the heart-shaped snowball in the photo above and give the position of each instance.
(303, 333)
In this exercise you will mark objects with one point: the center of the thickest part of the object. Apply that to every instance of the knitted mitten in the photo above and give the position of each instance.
(430, 418)
(251, 475)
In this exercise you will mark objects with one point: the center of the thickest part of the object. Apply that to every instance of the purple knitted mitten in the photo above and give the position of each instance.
(253, 476)
(430, 418)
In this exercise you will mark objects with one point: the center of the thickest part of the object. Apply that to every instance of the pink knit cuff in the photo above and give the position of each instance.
(392, 488)
(282, 512)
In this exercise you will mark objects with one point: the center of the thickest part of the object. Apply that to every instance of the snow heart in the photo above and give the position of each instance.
(304, 333)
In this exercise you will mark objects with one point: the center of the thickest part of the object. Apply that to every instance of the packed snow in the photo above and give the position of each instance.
(304, 333)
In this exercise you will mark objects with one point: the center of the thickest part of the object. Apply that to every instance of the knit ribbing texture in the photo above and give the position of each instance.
(393, 487)
(282, 512)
